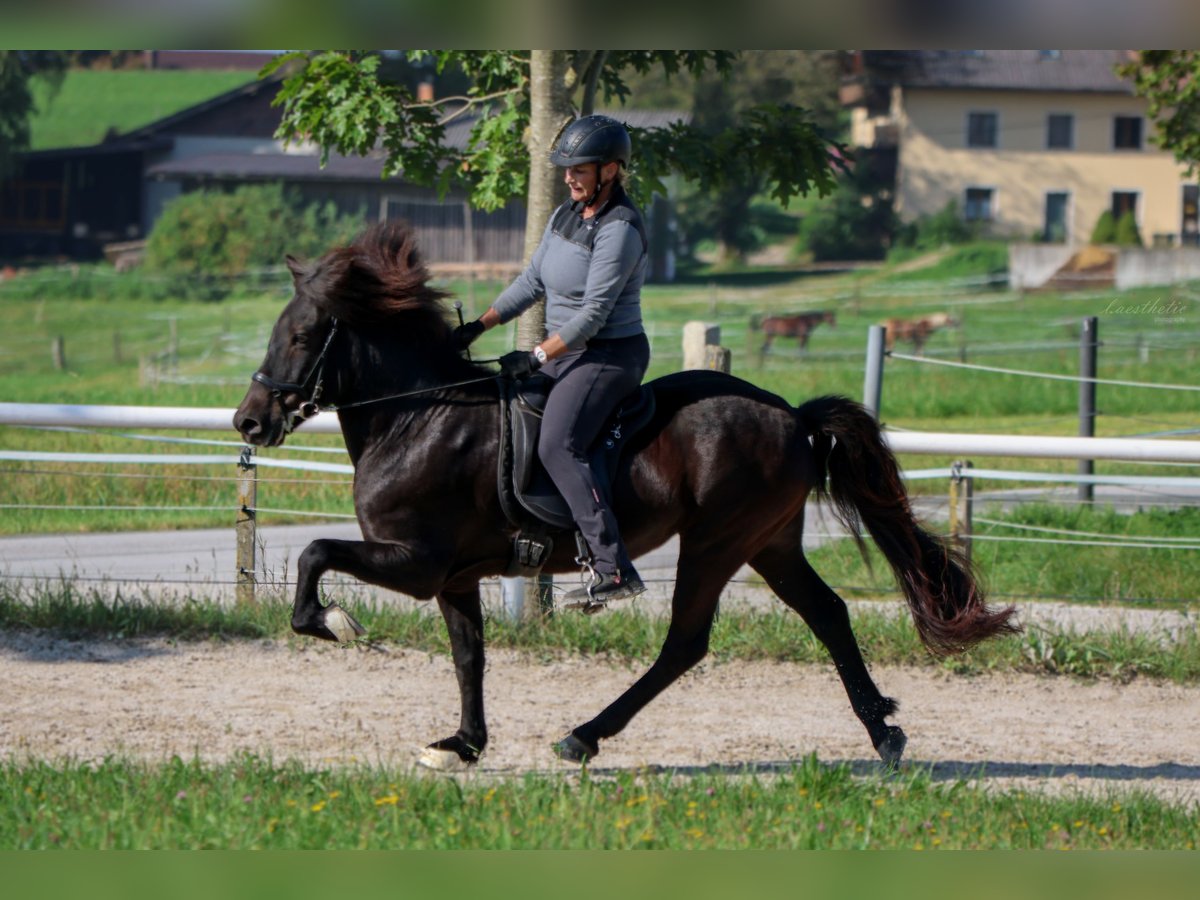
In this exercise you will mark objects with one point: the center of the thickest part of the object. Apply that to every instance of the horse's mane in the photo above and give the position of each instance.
(379, 280)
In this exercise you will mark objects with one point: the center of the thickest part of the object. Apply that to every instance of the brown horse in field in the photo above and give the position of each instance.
(799, 327)
(917, 331)
(725, 465)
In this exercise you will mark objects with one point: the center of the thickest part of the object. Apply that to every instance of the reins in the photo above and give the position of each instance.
(316, 376)
(431, 390)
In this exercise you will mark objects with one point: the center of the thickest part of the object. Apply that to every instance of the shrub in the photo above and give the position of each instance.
(1105, 231)
(946, 226)
(211, 236)
(1127, 234)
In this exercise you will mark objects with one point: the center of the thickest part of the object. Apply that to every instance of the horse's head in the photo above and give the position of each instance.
(374, 292)
(288, 386)
(830, 317)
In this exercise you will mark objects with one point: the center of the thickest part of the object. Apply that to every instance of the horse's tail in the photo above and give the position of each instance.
(947, 603)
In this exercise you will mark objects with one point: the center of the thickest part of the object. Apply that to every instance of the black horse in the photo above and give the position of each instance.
(726, 466)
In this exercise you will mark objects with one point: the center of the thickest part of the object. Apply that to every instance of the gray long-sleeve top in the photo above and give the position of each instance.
(591, 271)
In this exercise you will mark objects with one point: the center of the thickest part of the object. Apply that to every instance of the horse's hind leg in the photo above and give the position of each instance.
(699, 581)
(790, 576)
(464, 621)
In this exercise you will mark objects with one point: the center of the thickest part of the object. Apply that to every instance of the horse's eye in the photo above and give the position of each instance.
(299, 338)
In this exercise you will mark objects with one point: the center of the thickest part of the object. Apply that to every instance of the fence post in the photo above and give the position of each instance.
(247, 503)
(58, 352)
(962, 487)
(873, 379)
(1088, 344)
(697, 338)
(718, 358)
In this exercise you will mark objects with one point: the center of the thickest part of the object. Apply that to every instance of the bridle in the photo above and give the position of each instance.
(316, 376)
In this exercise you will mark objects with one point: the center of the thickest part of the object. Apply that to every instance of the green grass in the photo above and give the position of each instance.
(1082, 572)
(885, 633)
(89, 103)
(252, 802)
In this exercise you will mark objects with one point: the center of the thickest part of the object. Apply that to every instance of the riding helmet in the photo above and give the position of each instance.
(592, 139)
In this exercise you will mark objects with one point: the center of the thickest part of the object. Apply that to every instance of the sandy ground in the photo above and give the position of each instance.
(325, 704)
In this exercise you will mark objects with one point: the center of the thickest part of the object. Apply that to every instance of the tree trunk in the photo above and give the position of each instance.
(550, 109)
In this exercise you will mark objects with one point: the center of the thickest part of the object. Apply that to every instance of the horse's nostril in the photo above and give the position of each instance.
(249, 427)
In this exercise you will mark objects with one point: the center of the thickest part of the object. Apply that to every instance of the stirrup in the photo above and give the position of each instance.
(582, 599)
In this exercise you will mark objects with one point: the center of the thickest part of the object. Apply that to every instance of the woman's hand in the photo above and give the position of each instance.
(464, 336)
(519, 364)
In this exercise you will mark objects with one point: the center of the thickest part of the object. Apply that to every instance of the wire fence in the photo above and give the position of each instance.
(1141, 491)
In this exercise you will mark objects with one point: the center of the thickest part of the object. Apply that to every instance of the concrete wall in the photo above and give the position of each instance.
(1032, 265)
(1137, 268)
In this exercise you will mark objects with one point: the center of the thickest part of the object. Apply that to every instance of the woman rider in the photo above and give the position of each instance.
(590, 265)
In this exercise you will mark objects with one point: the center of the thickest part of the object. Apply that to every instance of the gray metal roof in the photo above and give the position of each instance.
(300, 167)
(1010, 70)
(290, 166)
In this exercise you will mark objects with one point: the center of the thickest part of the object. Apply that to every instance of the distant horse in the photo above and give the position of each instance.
(798, 326)
(917, 331)
(726, 466)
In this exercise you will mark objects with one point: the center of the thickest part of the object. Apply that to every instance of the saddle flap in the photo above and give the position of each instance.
(523, 479)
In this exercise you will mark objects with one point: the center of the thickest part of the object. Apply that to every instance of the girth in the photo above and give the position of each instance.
(528, 497)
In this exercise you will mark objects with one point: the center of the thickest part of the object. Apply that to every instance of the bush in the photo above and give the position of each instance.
(946, 226)
(1105, 231)
(212, 236)
(1127, 234)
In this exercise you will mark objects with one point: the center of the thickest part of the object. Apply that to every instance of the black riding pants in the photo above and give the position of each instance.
(588, 385)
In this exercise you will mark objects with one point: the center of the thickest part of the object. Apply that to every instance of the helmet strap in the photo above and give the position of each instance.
(600, 185)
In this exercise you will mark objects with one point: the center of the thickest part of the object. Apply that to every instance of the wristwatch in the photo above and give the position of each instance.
(540, 355)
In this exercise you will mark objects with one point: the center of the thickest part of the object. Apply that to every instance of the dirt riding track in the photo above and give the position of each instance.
(332, 705)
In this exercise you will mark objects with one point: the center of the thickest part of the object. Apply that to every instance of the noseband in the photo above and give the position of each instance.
(315, 378)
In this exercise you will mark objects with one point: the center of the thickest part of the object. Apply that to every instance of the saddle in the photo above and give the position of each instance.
(528, 497)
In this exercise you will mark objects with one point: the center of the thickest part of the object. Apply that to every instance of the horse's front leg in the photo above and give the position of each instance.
(463, 613)
(394, 566)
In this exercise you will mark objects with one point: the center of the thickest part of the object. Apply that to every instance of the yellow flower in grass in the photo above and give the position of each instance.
(389, 800)
(318, 806)
(694, 833)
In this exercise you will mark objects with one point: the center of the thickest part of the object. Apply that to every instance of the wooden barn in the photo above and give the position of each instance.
(72, 203)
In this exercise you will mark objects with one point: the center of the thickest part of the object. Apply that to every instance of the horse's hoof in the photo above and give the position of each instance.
(450, 755)
(572, 749)
(343, 626)
(442, 761)
(891, 748)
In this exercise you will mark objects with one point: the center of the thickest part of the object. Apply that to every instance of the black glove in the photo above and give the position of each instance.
(464, 336)
(519, 364)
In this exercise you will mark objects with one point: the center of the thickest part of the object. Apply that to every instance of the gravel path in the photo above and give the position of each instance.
(324, 704)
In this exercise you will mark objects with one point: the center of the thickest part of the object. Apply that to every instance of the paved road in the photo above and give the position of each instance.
(202, 562)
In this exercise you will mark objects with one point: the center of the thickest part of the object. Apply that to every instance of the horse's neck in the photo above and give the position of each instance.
(390, 389)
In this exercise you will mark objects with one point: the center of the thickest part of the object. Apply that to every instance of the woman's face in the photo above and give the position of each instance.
(581, 179)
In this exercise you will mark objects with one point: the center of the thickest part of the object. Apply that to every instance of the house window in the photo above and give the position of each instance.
(981, 129)
(1127, 132)
(1123, 202)
(1057, 204)
(980, 204)
(1049, 54)
(1060, 131)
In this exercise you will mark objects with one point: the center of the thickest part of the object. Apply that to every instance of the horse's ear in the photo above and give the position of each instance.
(296, 267)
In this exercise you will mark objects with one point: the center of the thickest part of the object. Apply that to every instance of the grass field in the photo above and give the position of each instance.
(88, 103)
(255, 803)
(117, 352)
(886, 634)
